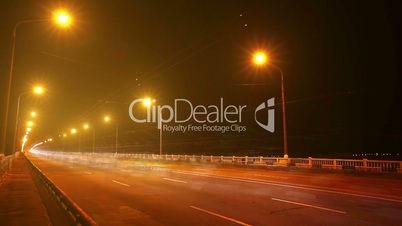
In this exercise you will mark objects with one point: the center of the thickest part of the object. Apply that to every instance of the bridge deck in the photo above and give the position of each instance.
(20, 202)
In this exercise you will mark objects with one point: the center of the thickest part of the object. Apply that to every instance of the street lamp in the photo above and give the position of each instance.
(85, 126)
(93, 141)
(107, 118)
(73, 132)
(62, 19)
(64, 141)
(261, 59)
(148, 102)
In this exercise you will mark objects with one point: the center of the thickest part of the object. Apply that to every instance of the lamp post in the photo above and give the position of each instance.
(107, 118)
(93, 141)
(148, 102)
(85, 126)
(74, 131)
(261, 59)
(62, 19)
(160, 136)
(37, 90)
(64, 141)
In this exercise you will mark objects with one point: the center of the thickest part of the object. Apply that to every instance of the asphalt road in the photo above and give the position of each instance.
(140, 193)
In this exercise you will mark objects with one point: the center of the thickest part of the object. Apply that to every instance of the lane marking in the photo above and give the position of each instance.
(221, 216)
(117, 182)
(87, 172)
(179, 181)
(127, 171)
(262, 175)
(303, 187)
(308, 205)
(70, 167)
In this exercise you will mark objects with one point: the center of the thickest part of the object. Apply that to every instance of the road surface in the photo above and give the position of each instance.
(157, 193)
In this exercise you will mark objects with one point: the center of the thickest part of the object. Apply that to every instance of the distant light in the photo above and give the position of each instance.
(107, 118)
(33, 114)
(73, 131)
(30, 123)
(86, 126)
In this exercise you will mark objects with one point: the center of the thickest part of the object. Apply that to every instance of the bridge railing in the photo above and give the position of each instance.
(75, 213)
(319, 163)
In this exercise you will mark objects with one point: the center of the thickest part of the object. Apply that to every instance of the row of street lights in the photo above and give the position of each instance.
(86, 126)
(29, 125)
(62, 19)
(146, 101)
(37, 90)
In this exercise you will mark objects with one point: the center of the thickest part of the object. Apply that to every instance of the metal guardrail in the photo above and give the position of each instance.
(317, 163)
(76, 214)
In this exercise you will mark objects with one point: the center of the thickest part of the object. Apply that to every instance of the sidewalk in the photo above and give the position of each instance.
(20, 202)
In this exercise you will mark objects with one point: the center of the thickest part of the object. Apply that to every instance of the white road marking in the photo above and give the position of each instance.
(117, 182)
(87, 172)
(308, 205)
(388, 198)
(262, 175)
(180, 181)
(221, 216)
(70, 167)
(127, 171)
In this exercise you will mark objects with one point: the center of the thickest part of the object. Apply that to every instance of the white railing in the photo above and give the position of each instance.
(5, 164)
(318, 163)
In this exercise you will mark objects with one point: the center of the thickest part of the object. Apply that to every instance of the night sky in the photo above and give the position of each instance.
(340, 59)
